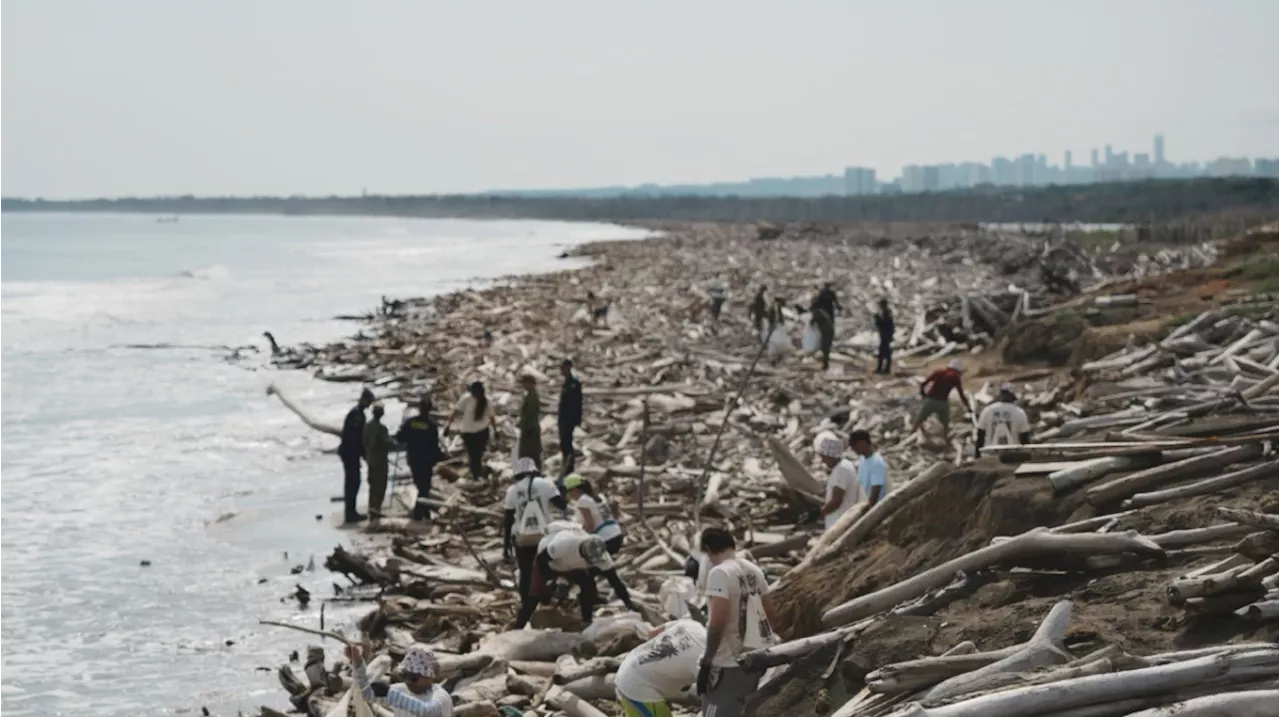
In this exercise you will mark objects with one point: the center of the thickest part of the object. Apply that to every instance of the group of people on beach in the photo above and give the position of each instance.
(680, 657)
(768, 319)
(419, 436)
(560, 533)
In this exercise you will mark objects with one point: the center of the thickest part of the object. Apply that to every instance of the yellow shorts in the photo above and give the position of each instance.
(631, 708)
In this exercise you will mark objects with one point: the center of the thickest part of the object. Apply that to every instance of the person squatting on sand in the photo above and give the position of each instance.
(351, 451)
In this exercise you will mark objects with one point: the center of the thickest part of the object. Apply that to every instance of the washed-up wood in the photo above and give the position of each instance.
(1033, 543)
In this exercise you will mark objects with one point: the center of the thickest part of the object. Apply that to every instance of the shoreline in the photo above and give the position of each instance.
(685, 369)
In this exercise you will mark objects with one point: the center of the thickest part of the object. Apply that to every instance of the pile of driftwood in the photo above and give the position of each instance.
(685, 424)
(1167, 424)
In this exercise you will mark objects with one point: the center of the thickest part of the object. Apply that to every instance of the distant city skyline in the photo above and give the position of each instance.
(1105, 164)
(1034, 169)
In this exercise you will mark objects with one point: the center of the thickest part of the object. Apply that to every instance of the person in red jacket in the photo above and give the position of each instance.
(936, 391)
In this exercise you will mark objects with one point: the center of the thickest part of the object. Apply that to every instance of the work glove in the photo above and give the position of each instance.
(703, 685)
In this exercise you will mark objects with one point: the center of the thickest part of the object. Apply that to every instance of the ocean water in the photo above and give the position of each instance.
(111, 455)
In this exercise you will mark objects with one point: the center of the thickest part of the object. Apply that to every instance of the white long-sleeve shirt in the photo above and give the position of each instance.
(437, 704)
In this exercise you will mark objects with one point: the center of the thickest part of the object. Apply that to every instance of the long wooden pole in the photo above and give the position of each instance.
(728, 409)
(644, 451)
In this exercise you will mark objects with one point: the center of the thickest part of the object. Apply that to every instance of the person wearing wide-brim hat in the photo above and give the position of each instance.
(419, 695)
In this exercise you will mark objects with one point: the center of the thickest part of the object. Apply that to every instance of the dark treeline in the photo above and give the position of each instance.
(1120, 202)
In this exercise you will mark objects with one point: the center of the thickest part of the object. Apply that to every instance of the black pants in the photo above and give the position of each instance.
(613, 545)
(350, 484)
(587, 598)
(524, 564)
(422, 474)
(566, 449)
(827, 331)
(476, 443)
(884, 357)
(716, 305)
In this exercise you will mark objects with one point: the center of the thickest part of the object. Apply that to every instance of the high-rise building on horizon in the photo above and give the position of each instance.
(1093, 158)
(1066, 160)
(1158, 154)
(859, 181)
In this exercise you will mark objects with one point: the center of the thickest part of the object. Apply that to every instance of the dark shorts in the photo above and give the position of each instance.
(935, 407)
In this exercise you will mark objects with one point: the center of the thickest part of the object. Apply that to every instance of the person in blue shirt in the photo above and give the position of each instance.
(873, 471)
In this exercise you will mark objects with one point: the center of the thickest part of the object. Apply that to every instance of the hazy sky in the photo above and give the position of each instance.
(127, 97)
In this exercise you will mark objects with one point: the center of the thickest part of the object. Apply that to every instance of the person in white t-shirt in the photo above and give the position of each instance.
(578, 557)
(475, 420)
(594, 512)
(740, 616)
(1003, 423)
(873, 470)
(660, 669)
(842, 484)
(526, 515)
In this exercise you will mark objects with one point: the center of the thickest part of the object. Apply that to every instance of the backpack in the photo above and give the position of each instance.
(756, 633)
(531, 524)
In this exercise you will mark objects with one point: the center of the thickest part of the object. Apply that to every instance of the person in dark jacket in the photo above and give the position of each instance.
(827, 301)
(351, 450)
(824, 307)
(759, 309)
(569, 415)
(884, 326)
(420, 437)
(530, 443)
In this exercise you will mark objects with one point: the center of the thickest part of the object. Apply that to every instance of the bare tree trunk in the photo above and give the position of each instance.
(1044, 648)
(1206, 486)
(1126, 486)
(1033, 543)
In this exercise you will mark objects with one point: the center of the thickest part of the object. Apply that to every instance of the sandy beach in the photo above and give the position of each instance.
(689, 421)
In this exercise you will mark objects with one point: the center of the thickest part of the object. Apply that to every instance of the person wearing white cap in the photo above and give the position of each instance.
(526, 515)
(842, 483)
(936, 392)
(1003, 423)
(418, 695)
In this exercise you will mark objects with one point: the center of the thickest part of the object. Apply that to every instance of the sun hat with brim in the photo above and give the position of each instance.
(420, 661)
(573, 480)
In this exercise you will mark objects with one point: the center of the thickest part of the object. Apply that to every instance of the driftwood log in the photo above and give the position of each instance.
(1032, 544)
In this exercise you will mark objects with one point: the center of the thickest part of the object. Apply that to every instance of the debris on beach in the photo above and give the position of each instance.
(1127, 556)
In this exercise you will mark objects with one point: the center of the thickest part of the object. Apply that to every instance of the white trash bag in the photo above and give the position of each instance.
(811, 340)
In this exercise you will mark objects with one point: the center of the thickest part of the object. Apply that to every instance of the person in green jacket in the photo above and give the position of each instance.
(530, 445)
(377, 443)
